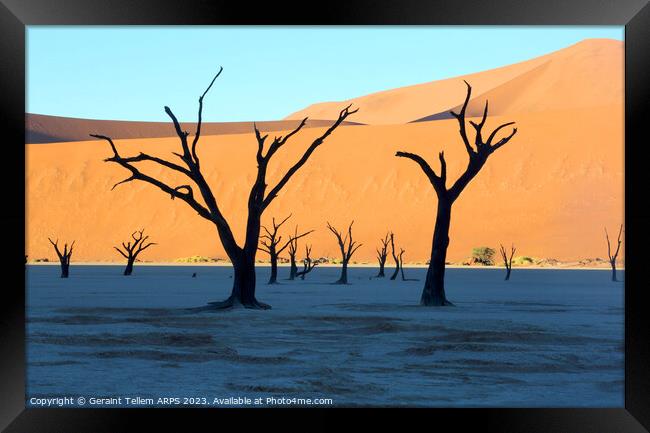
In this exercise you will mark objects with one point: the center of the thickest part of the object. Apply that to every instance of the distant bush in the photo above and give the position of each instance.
(523, 261)
(483, 255)
(194, 259)
(547, 262)
(42, 260)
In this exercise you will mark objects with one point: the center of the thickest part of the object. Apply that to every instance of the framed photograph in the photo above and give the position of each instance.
(424, 209)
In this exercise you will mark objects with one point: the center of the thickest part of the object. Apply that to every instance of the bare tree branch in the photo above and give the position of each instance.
(461, 120)
(317, 142)
(121, 252)
(292, 239)
(200, 119)
(278, 142)
(138, 175)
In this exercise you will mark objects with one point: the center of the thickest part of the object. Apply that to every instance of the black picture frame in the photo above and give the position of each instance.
(634, 14)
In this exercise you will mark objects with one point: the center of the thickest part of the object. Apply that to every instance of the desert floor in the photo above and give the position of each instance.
(544, 338)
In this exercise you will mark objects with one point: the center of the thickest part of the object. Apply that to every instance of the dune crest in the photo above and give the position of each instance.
(583, 75)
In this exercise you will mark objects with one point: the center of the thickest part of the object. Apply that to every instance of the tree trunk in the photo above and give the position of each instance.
(381, 271)
(294, 269)
(274, 270)
(344, 274)
(392, 277)
(508, 269)
(434, 286)
(243, 287)
(65, 267)
(129, 267)
(614, 271)
(243, 263)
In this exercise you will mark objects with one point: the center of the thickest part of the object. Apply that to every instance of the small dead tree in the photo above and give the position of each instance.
(308, 263)
(292, 251)
(612, 258)
(131, 251)
(401, 266)
(270, 241)
(507, 260)
(242, 256)
(348, 247)
(433, 293)
(64, 257)
(382, 254)
(395, 257)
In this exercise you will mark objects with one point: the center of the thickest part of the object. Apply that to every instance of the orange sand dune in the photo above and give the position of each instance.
(551, 190)
(587, 74)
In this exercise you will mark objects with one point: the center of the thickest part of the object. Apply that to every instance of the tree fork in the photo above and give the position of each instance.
(347, 247)
(612, 257)
(64, 256)
(433, 292)
(242, 257)
(131, 251)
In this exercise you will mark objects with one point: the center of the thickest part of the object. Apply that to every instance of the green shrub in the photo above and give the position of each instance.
(523, 261)
(483, 255)
(193, 259)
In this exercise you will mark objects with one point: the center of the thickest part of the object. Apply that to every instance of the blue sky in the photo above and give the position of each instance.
(131, 73)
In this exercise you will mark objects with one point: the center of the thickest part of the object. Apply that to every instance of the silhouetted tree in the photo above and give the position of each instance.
(612, 258)
(433, 293)
(270, 242)
(242, 257)
(64, 257)
(395, 257)
(131, 251)
(308, 263)
(348, 247)
(507, 260)
(382, 254)
(401, 266)
(292, 251)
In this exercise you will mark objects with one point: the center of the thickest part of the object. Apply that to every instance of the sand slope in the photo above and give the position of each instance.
(40, 128)
(550, 191)
(587, 74)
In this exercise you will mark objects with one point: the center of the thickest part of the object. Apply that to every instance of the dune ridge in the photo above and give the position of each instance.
(537, 84)
(40, 128)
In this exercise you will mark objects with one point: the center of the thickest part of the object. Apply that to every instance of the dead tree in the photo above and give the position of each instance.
(64, 257)
(131, 251)
(382, 254)
(242, 257)
(401, 266)
(612, 258)
(308, 263)
(292, 251)
(433, 293)
(270, 244)
(395, 257)
(507, 260)
(348, 247)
